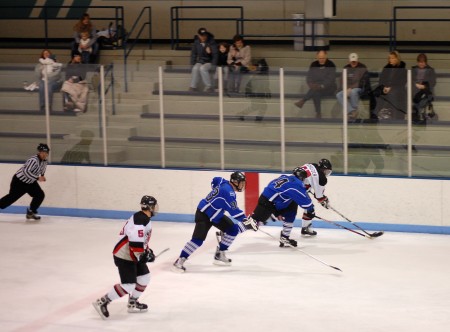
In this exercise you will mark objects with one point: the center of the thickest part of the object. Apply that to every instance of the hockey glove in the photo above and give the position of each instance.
(310, 214)
(250, 223)
(147, 256)
(324, 202)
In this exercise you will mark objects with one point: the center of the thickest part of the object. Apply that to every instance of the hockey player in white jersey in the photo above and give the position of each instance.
(315, 183)
(131, 255)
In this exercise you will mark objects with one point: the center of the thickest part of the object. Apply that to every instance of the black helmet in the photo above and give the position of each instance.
(237, 178)
(43, 148)
(325, 165)
(149, 203)
(300, 173)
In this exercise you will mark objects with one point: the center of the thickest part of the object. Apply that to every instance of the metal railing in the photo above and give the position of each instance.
(128, 47)
(48, 14)
(175, 19)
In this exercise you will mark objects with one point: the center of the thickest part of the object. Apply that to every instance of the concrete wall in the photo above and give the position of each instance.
(386, 203)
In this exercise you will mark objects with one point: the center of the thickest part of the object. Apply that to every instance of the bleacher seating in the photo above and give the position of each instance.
(191, 119)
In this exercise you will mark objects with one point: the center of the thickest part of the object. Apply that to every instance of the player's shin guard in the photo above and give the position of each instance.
(142, 282)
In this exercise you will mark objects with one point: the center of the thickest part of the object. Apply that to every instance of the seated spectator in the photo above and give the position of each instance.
(204, 56)
(224, 48)
(239, 60)
(391, 91)
(75, 88)
(50, 69)
(423, 81)
(358, 83)
(85, 25)
(83, 48)
(321, 80)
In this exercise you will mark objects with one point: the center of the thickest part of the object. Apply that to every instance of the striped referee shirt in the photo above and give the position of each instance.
(32, 170)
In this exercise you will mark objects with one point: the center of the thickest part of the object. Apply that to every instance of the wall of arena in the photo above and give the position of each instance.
(396, 204)
(346, 9)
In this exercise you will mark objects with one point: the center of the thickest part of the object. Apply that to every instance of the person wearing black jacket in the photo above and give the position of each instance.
(321, 80)
(391, 94)
(204, 57)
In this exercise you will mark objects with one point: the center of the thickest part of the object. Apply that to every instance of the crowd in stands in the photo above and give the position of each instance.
(387, 98)
(84, 51)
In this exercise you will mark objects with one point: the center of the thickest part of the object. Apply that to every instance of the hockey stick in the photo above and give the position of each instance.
(343, 227)
(375, 234)
(298, 249)
(162, 252)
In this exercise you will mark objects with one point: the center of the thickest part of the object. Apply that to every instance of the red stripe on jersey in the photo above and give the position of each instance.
(308, 172)
(119, 245)
(251, 192)
(119, 290)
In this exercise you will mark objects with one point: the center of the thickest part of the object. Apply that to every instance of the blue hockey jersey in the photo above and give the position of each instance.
(221, 199)
(285, 189)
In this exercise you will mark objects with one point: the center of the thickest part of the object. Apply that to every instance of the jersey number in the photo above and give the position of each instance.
(212, 194)
(280, 182)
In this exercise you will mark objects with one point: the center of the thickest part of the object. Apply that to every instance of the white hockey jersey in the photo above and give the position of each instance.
(316, 180)
(134, 237)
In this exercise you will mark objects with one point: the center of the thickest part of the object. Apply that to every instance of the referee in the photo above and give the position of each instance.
(25, 181)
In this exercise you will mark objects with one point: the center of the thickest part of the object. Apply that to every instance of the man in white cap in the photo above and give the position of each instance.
(358, 83)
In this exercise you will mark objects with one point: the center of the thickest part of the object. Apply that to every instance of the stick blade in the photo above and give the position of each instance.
(377, 234)
(335, 267)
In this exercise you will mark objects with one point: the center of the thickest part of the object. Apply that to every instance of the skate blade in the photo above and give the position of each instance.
(220, 263)
(177, 270)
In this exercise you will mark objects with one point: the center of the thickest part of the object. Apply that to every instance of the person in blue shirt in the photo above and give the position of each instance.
(281, 199)
(211, 212)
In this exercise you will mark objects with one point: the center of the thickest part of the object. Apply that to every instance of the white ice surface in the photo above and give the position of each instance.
(52, 270)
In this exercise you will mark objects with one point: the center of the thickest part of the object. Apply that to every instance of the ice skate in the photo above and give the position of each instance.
(135, 306)
(285, 241)
(178, 265)
(308, 231)
(220, 258)
(101, 306)
(32, 215)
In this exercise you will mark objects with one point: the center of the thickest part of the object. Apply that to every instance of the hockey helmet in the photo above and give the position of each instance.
(326, 167)
(43, 148)
(150, 203)
(300, 173)
(238, 180)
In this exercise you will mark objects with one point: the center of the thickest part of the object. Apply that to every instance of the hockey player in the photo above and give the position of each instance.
(281, 199)
(211, 212)
(25, 181)
(131, 255)
(315, 182)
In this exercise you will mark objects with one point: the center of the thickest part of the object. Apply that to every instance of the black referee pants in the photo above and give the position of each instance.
(18, 189)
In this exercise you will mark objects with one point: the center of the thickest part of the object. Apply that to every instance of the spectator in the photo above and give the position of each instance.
(83, 48)
(224, 49)
(50, 69)
(321, 80)
(239, 60)
(75, 88)
(390, 93)
(204, 56)
(85, 25)
(358, 83)
(423, 83)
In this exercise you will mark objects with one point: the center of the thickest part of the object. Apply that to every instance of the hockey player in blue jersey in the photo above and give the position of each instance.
(281, 199)
(211, 212)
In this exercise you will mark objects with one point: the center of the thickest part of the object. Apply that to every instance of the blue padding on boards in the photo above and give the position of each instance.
(179, 217)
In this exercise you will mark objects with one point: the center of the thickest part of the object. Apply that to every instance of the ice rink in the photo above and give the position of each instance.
(52, 270)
